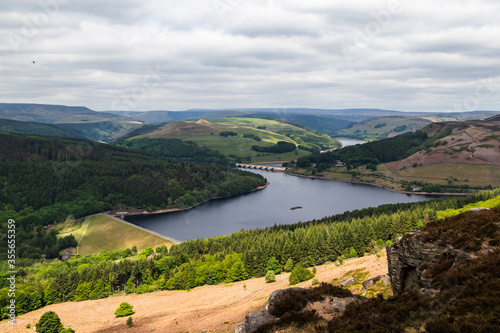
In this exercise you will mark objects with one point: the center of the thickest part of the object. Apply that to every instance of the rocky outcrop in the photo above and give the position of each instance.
(408, 259)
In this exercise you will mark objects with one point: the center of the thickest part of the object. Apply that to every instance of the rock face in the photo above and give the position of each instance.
(408, 258)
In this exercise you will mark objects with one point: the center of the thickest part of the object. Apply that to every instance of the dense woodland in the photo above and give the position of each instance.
(278, 148)
(43, 180)
(227, 258)
(176, 148)
(374, 153)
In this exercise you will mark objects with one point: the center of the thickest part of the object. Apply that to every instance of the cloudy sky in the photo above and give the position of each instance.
(175, 55)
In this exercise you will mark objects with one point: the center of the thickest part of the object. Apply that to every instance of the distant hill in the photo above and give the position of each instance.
(473, 142)
(75, 119)
(14, 126)
(441, 157)
(382, 127)
(44, 113)
(242, 139)
(325, 124)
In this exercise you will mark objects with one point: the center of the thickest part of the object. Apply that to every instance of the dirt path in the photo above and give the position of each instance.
(211, 308)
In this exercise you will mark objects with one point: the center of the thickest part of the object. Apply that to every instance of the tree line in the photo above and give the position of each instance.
(235, 257)
(43, 180)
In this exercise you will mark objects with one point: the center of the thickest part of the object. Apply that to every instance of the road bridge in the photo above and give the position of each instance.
(260, 167)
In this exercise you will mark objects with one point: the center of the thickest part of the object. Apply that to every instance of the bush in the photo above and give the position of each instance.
(129, 322)
(299, 274)
(49, 323)
(124, 310)
(67, 330)
(270, 277)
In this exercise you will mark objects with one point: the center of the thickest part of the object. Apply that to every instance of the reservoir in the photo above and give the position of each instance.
(288, 199)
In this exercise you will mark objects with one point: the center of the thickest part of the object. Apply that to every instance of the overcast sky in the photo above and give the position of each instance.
(175, 55)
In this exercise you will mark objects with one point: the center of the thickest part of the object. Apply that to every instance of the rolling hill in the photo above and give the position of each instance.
(14, 126)
(452, 156)
(382, 127)
(237, 137)
(91, 124)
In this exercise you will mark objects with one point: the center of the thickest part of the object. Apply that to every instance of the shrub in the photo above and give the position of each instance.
(288, 265)
(67, 330)
(299, 274)
(129, 322)
(124, 310)
(49, 323)
(270, 277)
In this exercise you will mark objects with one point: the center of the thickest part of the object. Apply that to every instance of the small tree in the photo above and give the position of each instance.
(273, 265)
(129, 322)
(299, 274)
(124, 310)
(352, 252)
(289, 265)
(49, 323)
(270, 277)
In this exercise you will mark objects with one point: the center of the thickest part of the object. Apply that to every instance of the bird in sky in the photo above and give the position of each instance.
(33, 61)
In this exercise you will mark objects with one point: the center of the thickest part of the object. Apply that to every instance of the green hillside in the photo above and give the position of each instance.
(81, 121)
(14, 126)
(382, 127)
(237, 138)
(44, 180)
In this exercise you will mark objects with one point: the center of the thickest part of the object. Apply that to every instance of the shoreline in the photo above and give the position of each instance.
(123, 213)
(378, 185)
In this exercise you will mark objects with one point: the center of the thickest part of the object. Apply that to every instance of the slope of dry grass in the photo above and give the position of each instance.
(211, 308)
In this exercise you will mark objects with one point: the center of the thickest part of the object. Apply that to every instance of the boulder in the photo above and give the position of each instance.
(387, 280)
(240, 328)
(274, 295)
(371, 282)
(257, 319)
(339, 304)
(348, 282)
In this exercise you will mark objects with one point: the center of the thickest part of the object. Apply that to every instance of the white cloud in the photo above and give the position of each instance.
(237, 53)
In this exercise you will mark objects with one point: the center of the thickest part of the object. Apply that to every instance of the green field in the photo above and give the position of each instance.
(103, 233)
(206, 133)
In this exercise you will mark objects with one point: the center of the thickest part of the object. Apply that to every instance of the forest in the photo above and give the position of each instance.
(235, 257)
(279, 147)
(43, 180)
(376, 152)
(176, 148)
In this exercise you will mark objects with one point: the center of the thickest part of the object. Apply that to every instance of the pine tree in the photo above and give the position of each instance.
(238, 272)
(273, 265)
(129, 322)
(289, 265)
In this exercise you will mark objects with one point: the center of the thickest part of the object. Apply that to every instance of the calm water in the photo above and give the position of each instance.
(318, 198)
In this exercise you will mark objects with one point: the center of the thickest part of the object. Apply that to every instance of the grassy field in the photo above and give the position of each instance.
(103, 233)
(206, 133)
(459, 174)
